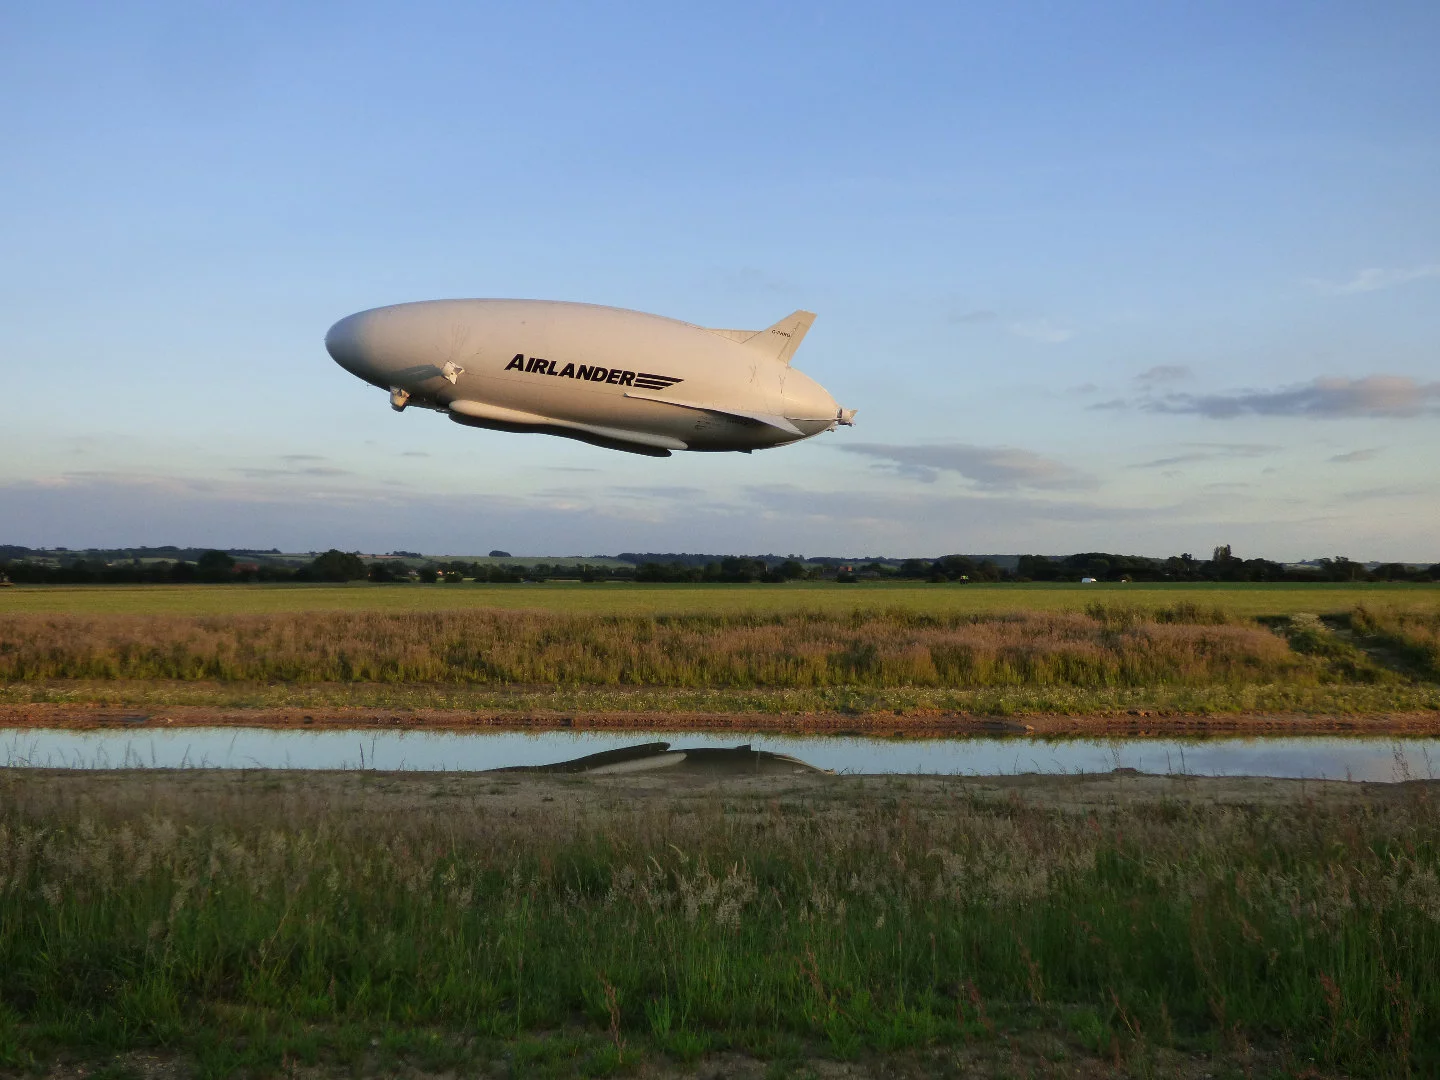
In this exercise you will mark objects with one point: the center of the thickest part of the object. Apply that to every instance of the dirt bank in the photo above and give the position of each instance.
(526, 801)
(1137, 723)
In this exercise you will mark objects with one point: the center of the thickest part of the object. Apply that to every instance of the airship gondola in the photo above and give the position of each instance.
(620, 379)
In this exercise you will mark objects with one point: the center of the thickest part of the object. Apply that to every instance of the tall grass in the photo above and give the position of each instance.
(856, 915)
(1108, 647)
(1415, 634)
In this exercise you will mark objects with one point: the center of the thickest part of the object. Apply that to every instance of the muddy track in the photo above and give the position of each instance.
(1137, 723)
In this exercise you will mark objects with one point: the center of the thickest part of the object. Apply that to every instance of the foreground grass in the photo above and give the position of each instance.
(616, 598)
(250, 922)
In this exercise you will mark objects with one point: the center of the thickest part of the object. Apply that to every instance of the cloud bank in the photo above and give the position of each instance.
(119, 509)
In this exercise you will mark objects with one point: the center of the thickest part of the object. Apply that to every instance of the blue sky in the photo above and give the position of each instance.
(1133, 277)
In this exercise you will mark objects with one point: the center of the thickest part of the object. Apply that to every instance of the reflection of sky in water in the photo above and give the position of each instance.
(1315, 757)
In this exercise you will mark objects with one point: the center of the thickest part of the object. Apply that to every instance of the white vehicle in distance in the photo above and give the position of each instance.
(614, 378)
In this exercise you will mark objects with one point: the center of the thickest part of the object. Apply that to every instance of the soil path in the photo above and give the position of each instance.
(1137, 723)
(527, 802)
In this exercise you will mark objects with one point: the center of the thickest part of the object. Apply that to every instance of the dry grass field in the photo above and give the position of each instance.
(833, 649)
(1099, 648)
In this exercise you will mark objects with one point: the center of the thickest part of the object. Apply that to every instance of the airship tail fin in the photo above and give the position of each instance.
(777, 342)
(788, 332)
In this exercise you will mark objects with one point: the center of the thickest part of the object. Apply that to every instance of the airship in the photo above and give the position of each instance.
(618, 379)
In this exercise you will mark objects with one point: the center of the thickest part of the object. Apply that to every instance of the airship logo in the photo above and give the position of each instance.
(592, 373)
(735, 389)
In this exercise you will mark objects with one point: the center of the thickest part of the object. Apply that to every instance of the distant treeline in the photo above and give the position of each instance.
(1221, 566)
(834, 562)
(167, 552)
(337, 566)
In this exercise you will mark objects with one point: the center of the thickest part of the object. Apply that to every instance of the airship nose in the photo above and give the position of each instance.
(344, 343)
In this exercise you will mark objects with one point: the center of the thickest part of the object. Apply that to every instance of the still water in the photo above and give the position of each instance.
(1335, 758)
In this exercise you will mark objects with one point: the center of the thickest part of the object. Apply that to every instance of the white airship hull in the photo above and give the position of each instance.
(615, 378)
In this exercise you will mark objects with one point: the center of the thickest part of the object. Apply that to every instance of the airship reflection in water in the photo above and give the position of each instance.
(618, 379)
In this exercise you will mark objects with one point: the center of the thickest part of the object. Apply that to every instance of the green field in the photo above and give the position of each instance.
(616, 598)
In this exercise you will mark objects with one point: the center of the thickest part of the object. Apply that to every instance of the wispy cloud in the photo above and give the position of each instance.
(1162, 373)
(752, 280)
(658, 491)
(1375, 278)
(1394, 491)
(1326, 398)
(981, 315)
(1355, 456)
(1042, 330)
(1204, 451)
(966, 511)
(313, 470)
(997, 467)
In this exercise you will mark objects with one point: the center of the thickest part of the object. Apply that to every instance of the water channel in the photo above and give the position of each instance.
(1309, 757)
